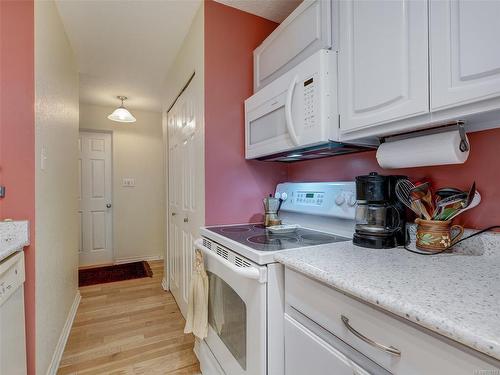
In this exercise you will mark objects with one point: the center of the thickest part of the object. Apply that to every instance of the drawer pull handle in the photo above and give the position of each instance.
(389, 349)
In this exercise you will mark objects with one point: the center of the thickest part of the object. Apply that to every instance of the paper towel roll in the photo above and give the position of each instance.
(426, 150)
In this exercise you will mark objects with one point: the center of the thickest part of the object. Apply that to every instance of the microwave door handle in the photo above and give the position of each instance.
(288, 112)
(247, 272)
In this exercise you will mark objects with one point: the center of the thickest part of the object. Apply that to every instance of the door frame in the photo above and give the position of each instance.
(110, 132)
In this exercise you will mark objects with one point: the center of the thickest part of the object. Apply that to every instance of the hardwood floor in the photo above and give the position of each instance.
(129, 327)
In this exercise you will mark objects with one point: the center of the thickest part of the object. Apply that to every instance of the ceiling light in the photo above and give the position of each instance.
(121, 114)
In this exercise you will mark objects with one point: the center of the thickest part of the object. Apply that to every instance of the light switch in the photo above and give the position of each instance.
(128, 182)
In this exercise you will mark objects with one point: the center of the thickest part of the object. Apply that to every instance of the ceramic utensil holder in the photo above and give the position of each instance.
(435, 235)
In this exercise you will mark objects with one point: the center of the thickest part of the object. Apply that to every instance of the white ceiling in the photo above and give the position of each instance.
(274, 10)
(125, 47)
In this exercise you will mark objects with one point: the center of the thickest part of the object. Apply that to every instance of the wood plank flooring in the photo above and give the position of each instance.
(129, 327)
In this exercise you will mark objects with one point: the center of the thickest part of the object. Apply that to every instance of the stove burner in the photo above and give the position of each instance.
(272, 239)
(317, 237)
(235, 229)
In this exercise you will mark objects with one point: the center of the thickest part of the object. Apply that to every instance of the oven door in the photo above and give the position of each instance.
(236, 311)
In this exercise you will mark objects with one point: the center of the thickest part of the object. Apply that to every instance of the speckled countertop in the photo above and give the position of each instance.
(457, 295)
(14, 235)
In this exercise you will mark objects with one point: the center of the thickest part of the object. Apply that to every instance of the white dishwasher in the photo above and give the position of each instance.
(12, 331)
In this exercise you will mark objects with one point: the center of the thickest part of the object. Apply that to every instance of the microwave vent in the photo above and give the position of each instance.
(323, 150)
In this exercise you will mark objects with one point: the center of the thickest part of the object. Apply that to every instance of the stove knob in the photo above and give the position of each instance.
(284, 196)
(351, 201)
(340, 200)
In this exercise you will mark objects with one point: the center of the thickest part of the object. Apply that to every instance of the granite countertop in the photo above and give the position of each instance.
(14, 235)
(456, 295)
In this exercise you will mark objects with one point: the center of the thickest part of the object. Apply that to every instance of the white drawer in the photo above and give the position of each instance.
(421, 352)
(307, 353)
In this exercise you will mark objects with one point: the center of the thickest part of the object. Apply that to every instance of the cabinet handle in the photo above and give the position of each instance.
(186, 219)
(389, 349)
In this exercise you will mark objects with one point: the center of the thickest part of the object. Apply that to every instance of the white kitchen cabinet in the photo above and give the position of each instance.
(316, 305)
(383, 62)
(464, 52)
(306, 30)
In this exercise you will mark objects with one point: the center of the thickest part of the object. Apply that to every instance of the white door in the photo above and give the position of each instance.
(464, 52)
(186, 188)
(95, 208)
(383, 62)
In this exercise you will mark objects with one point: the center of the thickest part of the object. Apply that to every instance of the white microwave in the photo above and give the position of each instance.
(296, 111)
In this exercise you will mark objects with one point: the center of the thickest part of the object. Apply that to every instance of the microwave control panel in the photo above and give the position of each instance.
(310, 101)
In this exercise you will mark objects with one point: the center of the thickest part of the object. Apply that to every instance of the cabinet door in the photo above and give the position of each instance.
(383, 62)
(306, 30)
(465, 52)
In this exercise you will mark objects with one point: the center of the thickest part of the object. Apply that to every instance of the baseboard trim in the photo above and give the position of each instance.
(164, 284)
(61, 343)
(137, 259)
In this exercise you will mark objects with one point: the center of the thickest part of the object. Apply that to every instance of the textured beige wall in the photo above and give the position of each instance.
(56, 117)
(138, 212)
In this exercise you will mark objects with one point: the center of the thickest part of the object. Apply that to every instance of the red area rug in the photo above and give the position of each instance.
(109, 274)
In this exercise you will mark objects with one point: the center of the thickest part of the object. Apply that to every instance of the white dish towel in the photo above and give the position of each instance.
(197, 313)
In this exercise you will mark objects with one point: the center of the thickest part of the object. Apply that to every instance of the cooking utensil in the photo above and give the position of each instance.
(449, 205)
(475, 201)
(447, 191)
(471, 194)
(423, 193)
(403, 192)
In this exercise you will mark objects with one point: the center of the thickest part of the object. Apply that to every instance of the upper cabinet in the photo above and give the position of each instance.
(403, 65)
(465, 52)
(308, 29)
(383, 62)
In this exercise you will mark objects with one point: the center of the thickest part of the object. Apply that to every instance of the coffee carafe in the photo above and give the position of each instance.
(271, 208)
(380, 216)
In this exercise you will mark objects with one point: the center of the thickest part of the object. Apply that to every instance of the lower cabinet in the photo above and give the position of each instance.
(328, 332)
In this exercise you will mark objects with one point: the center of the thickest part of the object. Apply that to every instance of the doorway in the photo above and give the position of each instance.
(95, 198)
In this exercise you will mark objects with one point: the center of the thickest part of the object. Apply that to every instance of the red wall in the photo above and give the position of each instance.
(233, 186)
(17, 136)
(483, 166)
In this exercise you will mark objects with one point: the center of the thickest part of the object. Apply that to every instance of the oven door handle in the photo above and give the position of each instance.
(247, 272)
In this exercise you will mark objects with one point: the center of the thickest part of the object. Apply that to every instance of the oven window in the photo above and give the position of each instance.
(269, 126)
(227, 316)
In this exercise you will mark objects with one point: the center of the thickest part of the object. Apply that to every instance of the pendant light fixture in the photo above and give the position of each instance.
(121, 114)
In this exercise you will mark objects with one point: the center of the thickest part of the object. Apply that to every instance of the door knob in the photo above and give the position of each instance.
(108, 205)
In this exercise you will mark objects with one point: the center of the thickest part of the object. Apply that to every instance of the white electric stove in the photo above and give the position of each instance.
(246, 285)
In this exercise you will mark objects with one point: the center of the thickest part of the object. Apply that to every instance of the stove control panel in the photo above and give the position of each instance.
(334, 199)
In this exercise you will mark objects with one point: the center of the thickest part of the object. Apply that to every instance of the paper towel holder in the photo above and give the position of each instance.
(459, 125)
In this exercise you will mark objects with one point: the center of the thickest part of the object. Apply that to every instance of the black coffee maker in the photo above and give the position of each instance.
(380, 216)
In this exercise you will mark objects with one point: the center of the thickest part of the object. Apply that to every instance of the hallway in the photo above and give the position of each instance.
(129, 327)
